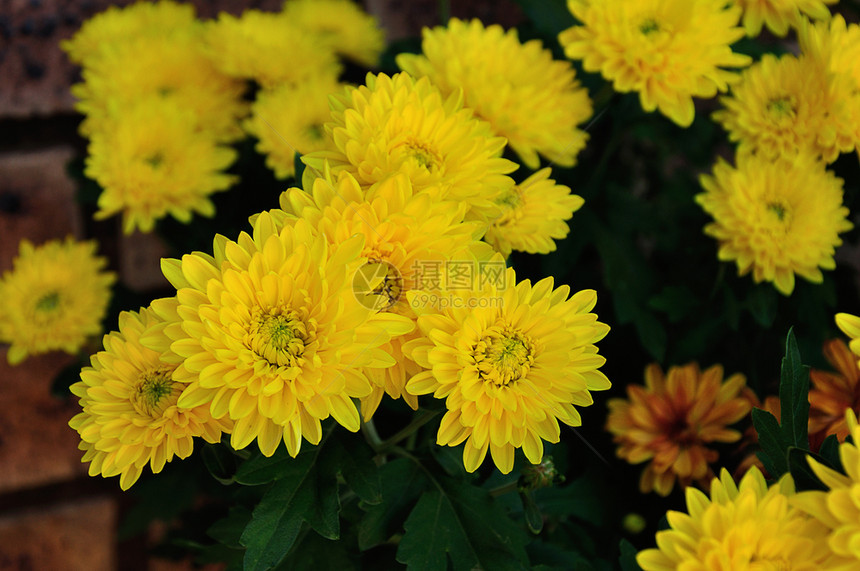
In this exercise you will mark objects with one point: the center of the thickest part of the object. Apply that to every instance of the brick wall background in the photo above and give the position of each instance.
(52, 515)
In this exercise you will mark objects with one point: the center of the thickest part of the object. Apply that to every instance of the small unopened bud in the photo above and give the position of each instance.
(540, 475)
(633, 523)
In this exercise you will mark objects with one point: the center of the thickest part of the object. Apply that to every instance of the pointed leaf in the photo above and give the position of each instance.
(804, 477)
(773, 448)
(794, 395)
(355, 463)
(628, 557)
(402, 482)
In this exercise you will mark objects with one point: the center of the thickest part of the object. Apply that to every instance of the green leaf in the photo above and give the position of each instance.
(402, 482)
(804, 477)
(314, 553)
(354, 459)
(652, 334)
(278, 517)
(627, 560)
(455, 519)
(220, 462)
(549, 16)
(675, 301)
(300, 168)
(794, 395)
(262, 470)
(773, 447)
(534, 519)
(229, 529)
(829, 453)
(762, 304)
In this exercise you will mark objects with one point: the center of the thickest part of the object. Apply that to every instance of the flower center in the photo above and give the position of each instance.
(509, 203)
(781, 107)
(153, 392)
(778, 209)
(279, 337)
(503, 355)
(378, 284)
(154, 160)
(48, 302)
(315, 132)
(649, 26)
(420, 153)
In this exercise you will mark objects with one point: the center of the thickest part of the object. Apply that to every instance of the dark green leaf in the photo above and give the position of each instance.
(402, 484)
(262, 470)
(278, 517)
(794, 395)
(299, 166)
(220, 462)
(675, 301)
(652, 334)
(829, 453)
(354, 460)
(549, 16)
(454, 520)
(315, 553)
(229, 529)
(773, 447)
(534, 519)
(804, 477)
(762, 304)
(627, 560)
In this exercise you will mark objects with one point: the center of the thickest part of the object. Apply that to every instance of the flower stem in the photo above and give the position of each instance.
(368, 429)
(420, 420)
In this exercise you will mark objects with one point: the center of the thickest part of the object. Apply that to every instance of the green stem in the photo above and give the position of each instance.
(444, 11)
(420, 420)
(504, 489)
(368, 429)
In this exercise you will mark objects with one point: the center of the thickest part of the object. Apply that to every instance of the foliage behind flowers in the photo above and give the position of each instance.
(381, 340)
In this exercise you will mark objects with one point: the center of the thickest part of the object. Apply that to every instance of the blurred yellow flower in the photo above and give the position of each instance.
(400, 125)
(55, 296)
(268, 48)
(668, 51)
(171, 69)
(269, 334)
(340, 25)
(780, 15)
(776, 219)
(130, 417)
(154, 161)
(838, 508)
(785, 107)
(527, 97)
(288, 119)
(740, 528)
(671, 421)
(118, 25)
(534, 213)
(510, 360)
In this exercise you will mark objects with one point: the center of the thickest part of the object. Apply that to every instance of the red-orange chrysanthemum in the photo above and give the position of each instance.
(671, 420)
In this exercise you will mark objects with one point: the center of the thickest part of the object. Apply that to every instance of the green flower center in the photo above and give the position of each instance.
(649, 26)
(154, 160)
(48, 302)
(781, 107)
(279, 337)
(421, 153)
(503, 355)
(154, 392)
(778, 209)
(378, 284)
(315, 132)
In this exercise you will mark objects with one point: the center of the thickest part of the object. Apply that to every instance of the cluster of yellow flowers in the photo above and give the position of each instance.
(790, 116)
(373, 278)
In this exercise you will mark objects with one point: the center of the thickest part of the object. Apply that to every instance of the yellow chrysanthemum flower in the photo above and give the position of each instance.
(117, 25)
(289, 119)
(836, 45)
(55, 296)
(671, 421)
(780, 15)
(268, 333)
(838, 508)
(406, 234)
(154, 161)
(742, 527)
(534, 213)
(341, 25)
(776, 219)
(669, 51)
(785, 107)
(172, 69)
(130, 417)
(850, 326)
(268, 48)
(510, 363)
(398, 124)
(528, 97)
